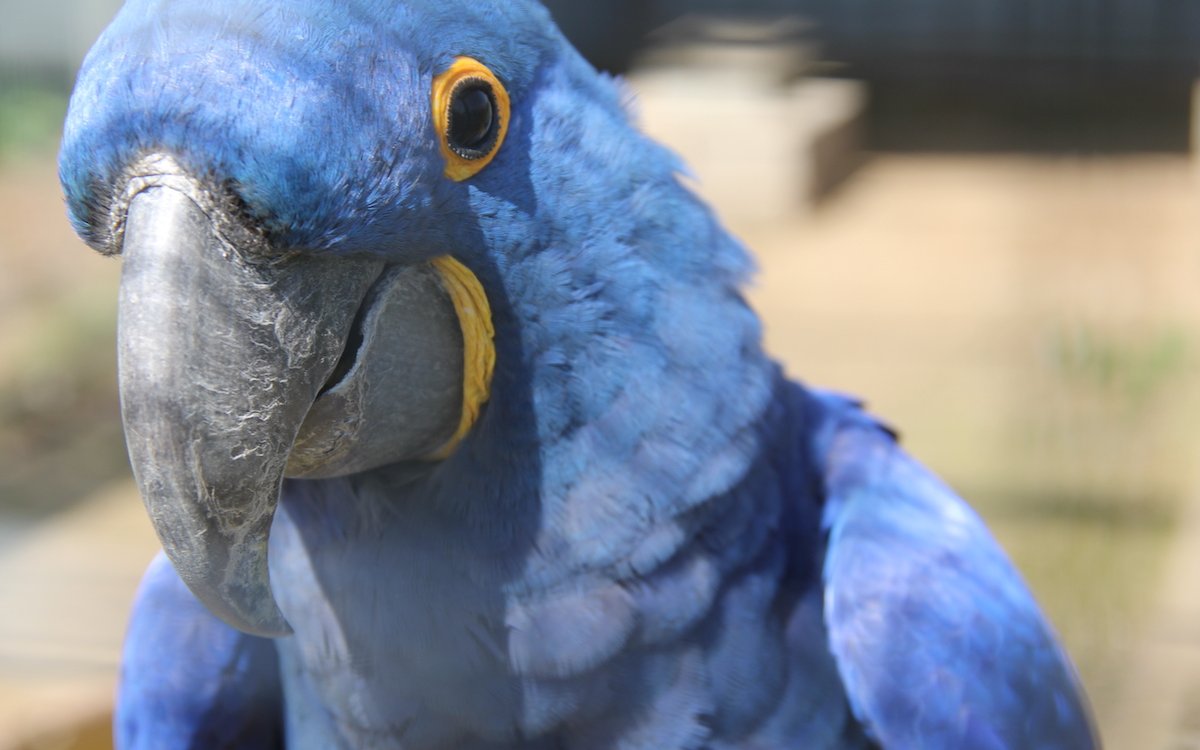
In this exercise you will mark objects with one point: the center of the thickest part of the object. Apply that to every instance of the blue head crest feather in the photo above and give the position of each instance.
(318, 116)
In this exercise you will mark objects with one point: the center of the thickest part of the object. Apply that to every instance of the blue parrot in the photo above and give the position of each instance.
(446, 405)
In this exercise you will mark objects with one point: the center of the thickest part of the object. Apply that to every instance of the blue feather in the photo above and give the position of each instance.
(190, 680)
(938, 642)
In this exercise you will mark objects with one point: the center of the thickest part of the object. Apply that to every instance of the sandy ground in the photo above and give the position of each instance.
(1030, 324)
(72, 581)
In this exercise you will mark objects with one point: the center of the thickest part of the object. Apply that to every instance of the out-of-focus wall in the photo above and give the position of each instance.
(50, 38)
(1110, 37)
(946, 38)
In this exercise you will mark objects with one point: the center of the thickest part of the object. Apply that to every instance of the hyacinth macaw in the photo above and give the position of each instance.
(456, 429)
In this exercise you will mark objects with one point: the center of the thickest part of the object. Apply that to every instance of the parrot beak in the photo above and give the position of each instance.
(229, 357)
(220, 358)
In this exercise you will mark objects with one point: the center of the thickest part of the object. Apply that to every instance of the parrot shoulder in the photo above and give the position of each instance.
(937, 639)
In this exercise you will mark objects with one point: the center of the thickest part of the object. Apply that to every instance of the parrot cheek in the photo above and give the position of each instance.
(396, 393)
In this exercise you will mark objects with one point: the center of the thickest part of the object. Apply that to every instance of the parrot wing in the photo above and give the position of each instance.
(189, 680)
(938, 641)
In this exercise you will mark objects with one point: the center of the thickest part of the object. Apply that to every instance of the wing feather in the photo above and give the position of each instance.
(937, 639)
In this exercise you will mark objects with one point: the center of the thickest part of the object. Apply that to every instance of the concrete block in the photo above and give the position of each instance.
(760, 141)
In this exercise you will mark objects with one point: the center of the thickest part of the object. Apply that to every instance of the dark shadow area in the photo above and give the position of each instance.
(984, 76)
(608, 34)
(1023, 114)
(1151, 513)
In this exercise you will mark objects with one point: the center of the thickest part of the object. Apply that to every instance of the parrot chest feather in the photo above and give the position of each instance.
(456, 645)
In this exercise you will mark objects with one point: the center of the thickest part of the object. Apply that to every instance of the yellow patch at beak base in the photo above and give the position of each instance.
(479, 346)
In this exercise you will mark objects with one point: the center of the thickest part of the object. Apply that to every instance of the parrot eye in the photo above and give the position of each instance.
(471, 120)
(470, 115)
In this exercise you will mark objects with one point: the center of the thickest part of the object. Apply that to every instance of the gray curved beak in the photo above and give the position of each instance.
(221, 356)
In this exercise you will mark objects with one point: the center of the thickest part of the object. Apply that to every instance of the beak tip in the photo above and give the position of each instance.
(271, 627)
(271, 624)
(250, 611)
(241, 593)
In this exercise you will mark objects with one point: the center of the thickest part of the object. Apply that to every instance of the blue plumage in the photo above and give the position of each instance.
(967, 660)
(223, 692)
(650, 539)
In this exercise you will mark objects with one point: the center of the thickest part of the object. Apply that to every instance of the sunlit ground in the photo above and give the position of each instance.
(1031, 326)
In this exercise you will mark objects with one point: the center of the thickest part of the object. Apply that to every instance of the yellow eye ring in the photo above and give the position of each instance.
(470, 115)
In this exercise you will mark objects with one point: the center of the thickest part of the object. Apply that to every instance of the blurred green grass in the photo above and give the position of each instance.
(60, 435)
(1130, 368)
(31, 116)
(59, 429)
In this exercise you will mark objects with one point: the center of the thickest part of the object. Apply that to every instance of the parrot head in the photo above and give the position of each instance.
(349, 229)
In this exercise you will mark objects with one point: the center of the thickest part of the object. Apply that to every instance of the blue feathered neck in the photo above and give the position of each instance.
(629, 462)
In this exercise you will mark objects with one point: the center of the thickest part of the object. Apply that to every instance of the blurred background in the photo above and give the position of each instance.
(980, 215)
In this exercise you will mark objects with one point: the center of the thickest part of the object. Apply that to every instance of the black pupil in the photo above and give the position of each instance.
(471, 117)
